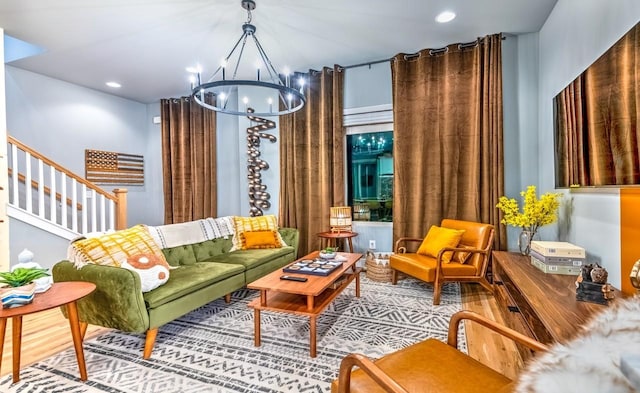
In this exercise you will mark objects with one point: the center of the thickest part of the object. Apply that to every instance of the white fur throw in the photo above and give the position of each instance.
(590, 362)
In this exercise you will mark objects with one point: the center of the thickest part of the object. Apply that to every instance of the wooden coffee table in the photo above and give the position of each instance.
(308, 298)
(61, 294)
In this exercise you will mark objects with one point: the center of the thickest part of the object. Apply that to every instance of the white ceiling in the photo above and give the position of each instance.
(146, 44)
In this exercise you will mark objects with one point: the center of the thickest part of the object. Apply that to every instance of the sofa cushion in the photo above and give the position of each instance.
(180, 255)
(260, 239)
(189, 278)
(153, 271)
(424, 267)
(249, 224)
(204, 251)
(113, 248)
(252, 258)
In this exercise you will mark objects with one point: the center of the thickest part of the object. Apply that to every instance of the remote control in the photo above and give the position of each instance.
(293, 278)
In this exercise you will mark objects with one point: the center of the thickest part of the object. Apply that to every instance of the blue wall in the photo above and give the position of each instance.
(576, 33)
(61, 120)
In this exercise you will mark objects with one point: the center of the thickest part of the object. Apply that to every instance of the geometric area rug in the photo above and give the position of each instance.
(211, 349)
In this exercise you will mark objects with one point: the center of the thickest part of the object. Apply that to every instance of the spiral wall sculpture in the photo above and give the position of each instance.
(258, 195)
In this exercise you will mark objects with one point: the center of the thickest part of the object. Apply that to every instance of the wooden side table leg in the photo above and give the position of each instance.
(350, 244)
(17, 346)
(256, 333)
(3, 328)
(83, 329)
(312, 337)
(74, 324)
(357, 284)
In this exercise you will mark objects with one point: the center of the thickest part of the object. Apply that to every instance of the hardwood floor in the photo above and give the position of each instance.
(47, 333)
(483, 344)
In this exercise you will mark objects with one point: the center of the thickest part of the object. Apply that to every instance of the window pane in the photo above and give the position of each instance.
(370, 175)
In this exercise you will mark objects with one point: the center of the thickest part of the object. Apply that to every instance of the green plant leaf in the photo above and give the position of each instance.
(22, 276)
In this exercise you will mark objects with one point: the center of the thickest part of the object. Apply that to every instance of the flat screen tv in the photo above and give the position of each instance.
(597, 140)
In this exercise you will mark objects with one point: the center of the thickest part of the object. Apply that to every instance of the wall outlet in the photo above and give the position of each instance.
(372, 244)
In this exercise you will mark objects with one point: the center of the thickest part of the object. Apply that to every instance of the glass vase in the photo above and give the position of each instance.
(524, 241)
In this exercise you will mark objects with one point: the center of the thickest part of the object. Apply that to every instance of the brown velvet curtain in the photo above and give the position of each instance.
(188, 160)
(597, 134)
(312, 158)
(448, 145)
(572, 168)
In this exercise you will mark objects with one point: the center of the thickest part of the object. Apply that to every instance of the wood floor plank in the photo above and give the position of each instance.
(484, 345)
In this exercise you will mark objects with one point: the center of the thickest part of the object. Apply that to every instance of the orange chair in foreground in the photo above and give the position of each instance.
(430, 366)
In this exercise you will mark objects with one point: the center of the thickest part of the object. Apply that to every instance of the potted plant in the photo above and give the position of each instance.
(328, 252)
(535, 213)
(19, 287)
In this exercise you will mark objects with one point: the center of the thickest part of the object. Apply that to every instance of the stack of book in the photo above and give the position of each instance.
(557, 257)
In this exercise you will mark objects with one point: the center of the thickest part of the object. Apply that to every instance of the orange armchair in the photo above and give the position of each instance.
(430, 366)
(477, 239)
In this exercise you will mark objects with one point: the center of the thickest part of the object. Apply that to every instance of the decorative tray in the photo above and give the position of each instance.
(317, 267)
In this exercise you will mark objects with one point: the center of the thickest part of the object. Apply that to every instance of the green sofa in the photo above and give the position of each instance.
(207, 271)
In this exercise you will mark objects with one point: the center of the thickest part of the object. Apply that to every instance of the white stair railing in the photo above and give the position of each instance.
(57, 194)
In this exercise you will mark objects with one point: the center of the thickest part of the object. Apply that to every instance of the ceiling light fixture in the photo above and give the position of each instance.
(263, 87)
(115, 85)
(445, 16)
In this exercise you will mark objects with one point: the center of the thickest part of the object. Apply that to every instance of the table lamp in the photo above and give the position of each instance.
(340, 219)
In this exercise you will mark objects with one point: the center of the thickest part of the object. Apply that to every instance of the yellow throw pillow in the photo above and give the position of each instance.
(462, 256)
(438, 238)
(260, 239)
(252, 224)
(113, 248)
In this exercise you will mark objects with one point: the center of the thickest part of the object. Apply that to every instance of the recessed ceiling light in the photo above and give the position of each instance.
(115, 85)
(446, 16)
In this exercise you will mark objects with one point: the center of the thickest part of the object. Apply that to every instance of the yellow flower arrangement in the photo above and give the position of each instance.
(535, 212)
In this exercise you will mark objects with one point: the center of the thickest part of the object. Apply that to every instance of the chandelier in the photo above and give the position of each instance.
(257, 94)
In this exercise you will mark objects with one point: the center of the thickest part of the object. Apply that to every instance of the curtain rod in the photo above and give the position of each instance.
(370, 63)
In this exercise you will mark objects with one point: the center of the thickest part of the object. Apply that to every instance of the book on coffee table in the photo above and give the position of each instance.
(322, 267)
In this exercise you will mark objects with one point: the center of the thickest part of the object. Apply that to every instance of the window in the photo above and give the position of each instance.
(370, 175)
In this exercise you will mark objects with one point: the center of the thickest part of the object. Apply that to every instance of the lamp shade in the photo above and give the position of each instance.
(340, 219)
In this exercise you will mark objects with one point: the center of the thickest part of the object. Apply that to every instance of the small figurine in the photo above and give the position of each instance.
(599, 274)
(591, 285)
(586, 272)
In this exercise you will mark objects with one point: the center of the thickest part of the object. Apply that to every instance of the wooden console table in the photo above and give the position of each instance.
(539, 305)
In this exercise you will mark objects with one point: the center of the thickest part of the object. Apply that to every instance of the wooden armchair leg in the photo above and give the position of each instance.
(149, 342)
(394, 276)
(227, 298)
(486, 285)
(437, 289)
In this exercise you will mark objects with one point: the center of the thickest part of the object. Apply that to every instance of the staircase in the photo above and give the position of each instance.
(46, 195)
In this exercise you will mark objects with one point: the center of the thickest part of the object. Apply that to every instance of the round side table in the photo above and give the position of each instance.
(61, 294)
(331, 239)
